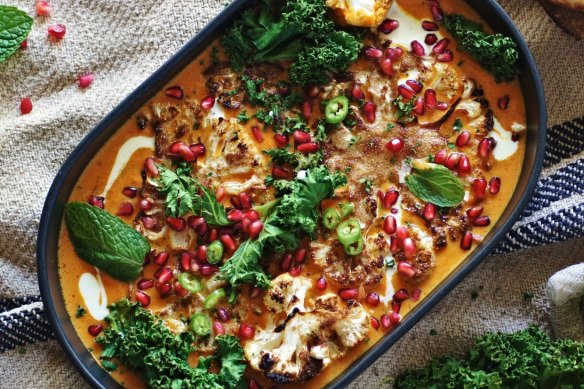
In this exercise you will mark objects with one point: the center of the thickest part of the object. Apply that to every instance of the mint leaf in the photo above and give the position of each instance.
(105, 241)
(14, 28)
(435, 184)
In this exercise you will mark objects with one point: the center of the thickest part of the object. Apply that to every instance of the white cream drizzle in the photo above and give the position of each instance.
(505, 147)
(124, 154)
(217, 112)
(94, 295)
(410, 28)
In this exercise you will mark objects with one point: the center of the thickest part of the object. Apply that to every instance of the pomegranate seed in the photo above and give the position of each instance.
(437, 13)
(394, 244)
(235, 215)
(357, 92)
(452, 161)
(57, 31)
(255, 228)
(145, 283)
(286, 262)
(228, 242)
(308, 148)
(466, 241)
(149, 223)
(395, 145)
(373, 52)
(479, 187)
(401, 295)
(503, 102)
(481, 221)
(280, 173)
(385, 322)
(252, 215)
(395, 306)
(198, 149)
(388, 26)
(257, 134)
(179, 290)
(161, 258)
(370, 109)
(176, 92)
(474, 212)
(463, 138)
(374, 322)
(430, 212)
(208, 103)
(235, 202)
(213, 235)
(208, 270)
(126, 209)
(85, 80)
(300, 255)
(176, 223)
(386, 66)
(486, 147)
(442, 106)
(312, 91)
(95, 329)
(220, 193)
(418, 49)
(218, 328)
(419, 107)
(406, 269)
(441, 46)
(430, 39)
(348, 293)
(410, 248)
(223, 315)
(195, 222)
(464, 165)
(307, 109)
(372, 299)
(281, 140)
(494, 185)
(185, 261)
(389, 225)
(142, 298)
(295, 270)
(394, 317)
(441, 157)
(253, 384)
(130, 191)
(244, 200)
(321, 284)
(246, 331)
(416, 294)
(406, 92)
(43, 8)
(25, 105)
(186, 153)
(96, 201)
(163, 289)
(446, 56)
(415, 85)
(202, 254)
(165, 275)
(402, 233)
(394, 52)
(150, 166)
(429, 26)
(430, 99)
(24, 44)
(301, 137)
(390, 198)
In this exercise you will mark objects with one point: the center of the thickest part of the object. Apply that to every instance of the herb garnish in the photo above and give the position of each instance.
(243, 117)
(435, 184)
(403, 110)
(80, 312)
(296, 160)
(457, 126)
(15, 26)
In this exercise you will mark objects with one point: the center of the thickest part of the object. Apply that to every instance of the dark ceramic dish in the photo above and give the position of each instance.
(66, 178)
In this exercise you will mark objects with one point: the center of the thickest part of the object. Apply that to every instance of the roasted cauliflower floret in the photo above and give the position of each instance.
(309, 341)
(286, 293)
(362, 13)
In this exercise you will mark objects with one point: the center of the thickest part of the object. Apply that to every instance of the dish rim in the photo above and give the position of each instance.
(68, 174)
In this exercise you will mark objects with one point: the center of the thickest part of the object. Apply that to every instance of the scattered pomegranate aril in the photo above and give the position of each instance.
(474, 212)
(257, 134)
(96, 201)
(416, 294)
(307, 109)
(388, 26)
(402, 233)
(373, 52)
(145, 283)
(165, 275)
(430, 39)
(25, 105)
(494, 185)
(85, 80)
(208, 270)
(452, 161)
(163, 289)
(208, 103)
(295, 270)
(202, 254)
(175, 92)
(466, 241)
(385, 322)
(195, 221)
(401, 295)
(485, 147)
(43, 8)
(429, 26)
(126, 209)
(185, 261)
(409, 247)
(418, 49)
(395, 145)
(415, 85)
(150, 166)
(441, 157)
(464, 166)
(370, 109)
(481, 221)
(142, 298)
(390, 198)
(389, 225)
(430, 99)
(130, 191)
(235, 202)
(57, 31)
(308, 148)
(24, 44)
(301, 137)
(218, 328)
(281, 140)
(213, 235)
(255, 228)
(441, 46)
(300, 255)
(479, 187)
(394, 244)
(442, 106)
(235, 215)
(394, 318)
(252, 215)
(406, 269)
(446, 56)
(223, 315)
(437, 13)
(179, 290)
(220, 193)
(374, 322)
(161, 258)
(176, 223)
(357, 92)
(419, 107)
(198, 149)
(228, 242)
(430, 211)
(286, 262)
(321, 284)
(395, 306)
(244, 200)
(503, 102)
(95, 329)
(246, 331)
(312, 91)
(348, 293)
(463, 138)
(386, 66)
(372, 299)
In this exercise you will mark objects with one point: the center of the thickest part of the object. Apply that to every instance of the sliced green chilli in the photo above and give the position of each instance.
(215, 252)
(336, 110)
(346, 209)
(200, 324)
(349, 231)
(354, 248)
(190, 282)
(213, 298)
(331, 218)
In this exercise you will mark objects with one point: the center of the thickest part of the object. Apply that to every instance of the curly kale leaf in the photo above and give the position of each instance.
(144, 344)
(495, 52)
(296, 160)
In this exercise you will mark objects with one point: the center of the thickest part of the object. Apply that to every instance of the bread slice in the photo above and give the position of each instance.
(568, 14)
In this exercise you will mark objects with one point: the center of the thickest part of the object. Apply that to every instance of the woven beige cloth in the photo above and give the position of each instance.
(123, 42)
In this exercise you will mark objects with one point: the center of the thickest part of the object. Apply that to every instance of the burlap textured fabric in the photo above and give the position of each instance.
(123, 42)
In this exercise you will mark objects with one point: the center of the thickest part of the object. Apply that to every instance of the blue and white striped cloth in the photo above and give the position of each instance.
(555, 213)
